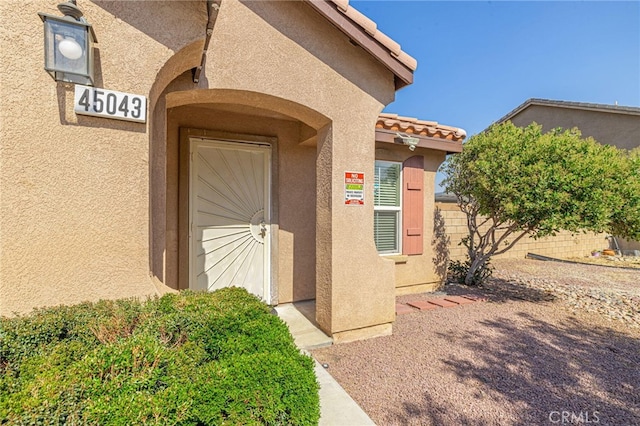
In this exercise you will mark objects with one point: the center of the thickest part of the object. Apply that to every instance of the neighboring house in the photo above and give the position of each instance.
(608, 124)
(262, 159)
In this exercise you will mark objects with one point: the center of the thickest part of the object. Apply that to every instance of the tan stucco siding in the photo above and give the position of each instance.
(293, 192)
(297, 221)
(283, 49)
(367, 280)
(312, 64)
(86, 202)
(618, 129)
(74, 209)
(625, 244)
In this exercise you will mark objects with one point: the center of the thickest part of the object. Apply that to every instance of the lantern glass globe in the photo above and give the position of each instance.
(70, 48)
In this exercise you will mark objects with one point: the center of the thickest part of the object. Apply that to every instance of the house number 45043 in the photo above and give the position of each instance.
(110, 104)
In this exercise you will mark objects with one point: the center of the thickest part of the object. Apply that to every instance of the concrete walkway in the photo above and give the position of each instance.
(337, 408)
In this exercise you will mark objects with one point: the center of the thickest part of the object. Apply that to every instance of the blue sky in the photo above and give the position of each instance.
(479, 60)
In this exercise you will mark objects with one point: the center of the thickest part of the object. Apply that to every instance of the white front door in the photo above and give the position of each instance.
(230, 216)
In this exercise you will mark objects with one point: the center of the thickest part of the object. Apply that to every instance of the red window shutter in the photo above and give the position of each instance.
(413, 205)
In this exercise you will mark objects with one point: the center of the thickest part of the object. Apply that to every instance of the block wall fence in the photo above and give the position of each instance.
(451, 227)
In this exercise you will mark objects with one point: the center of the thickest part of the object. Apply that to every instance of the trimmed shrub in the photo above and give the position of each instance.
(457, 272)
(195, 359)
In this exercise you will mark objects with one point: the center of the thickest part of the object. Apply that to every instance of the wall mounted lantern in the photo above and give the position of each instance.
(68, 45)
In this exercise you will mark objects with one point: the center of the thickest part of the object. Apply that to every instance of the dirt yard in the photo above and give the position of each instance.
(613, 261)
(524, 356)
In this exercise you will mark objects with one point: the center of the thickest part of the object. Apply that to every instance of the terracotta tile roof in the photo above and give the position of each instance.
(410, 125)
(363, 32)
(372, 29)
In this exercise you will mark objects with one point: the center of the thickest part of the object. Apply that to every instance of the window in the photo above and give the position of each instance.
(387, 202)
(398, 212)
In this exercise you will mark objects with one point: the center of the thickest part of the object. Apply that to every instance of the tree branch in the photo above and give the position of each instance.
(511, 244)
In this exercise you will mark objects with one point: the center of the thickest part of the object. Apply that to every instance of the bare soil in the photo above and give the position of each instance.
(592, 276)
(612, 261)
(520, 358)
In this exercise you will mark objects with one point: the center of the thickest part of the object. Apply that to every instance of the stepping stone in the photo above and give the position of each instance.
(423, 305)
(403, 309)
(459, 300)
(442, 303)
(474, 298)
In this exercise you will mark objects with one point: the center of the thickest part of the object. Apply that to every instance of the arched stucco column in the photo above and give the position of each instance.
(355, 287)
(184, 60)
(310, 73)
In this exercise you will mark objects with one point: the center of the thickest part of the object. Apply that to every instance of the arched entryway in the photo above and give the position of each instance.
(239, 167)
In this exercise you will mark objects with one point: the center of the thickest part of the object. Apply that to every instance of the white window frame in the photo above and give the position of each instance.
(397, 210)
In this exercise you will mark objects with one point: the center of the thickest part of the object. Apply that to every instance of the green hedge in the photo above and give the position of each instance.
(193, 359)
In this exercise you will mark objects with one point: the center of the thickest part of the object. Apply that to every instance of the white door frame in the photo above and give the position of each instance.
(194, 143)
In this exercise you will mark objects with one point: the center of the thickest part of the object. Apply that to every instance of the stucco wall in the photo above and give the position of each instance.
(453, 227)
(74, 211)
(84, 200)
(618, 129)
(293, 193)
(628, 244)
(349, 88)
(423, 272)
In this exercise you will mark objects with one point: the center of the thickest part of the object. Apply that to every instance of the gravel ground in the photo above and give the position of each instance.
(615, 261)
(526, 356)
(610, 292)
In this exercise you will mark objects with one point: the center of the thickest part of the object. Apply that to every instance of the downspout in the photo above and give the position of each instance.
(213, 6)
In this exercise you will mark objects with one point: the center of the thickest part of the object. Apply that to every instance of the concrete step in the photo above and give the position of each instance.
(305, 334)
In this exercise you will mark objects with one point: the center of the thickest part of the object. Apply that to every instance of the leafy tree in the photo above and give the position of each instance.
(626, 219)
(513, 182)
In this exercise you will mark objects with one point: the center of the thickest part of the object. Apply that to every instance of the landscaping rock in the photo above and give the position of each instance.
(611, 301)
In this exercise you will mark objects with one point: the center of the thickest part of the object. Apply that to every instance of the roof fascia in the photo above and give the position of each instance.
(588, 107)
(450, 147)
(403, 75)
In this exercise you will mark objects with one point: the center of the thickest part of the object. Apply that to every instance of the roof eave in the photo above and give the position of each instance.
(448, 146)
(403, 75)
